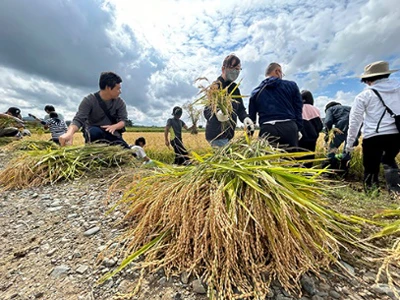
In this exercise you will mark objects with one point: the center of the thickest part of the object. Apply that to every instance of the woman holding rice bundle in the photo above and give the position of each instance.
(220, 126)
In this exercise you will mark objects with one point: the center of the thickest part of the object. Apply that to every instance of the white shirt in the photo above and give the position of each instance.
(139, 151)
(367, 109)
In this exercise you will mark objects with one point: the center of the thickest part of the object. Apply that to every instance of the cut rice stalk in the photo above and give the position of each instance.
(236, 226)
(41, 167)
(217, 98)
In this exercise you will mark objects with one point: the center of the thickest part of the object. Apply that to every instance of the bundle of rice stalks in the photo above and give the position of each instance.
(217, 98)
(356, 164)
(9, 121)
(391, 262)
(239, 219)
(40, 167)
(25, 144)
(6, 140)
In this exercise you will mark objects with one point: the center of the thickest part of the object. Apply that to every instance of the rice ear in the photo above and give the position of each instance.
(238, 219)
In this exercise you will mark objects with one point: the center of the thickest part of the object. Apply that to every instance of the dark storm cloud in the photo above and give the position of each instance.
(64, 41)
(71, 43)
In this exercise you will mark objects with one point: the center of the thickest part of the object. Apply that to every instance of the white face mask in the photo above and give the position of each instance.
(232, 74)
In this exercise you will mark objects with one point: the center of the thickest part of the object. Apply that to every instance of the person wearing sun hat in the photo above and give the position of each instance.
(381, 138)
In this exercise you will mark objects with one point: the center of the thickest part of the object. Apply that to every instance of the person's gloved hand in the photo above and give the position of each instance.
(348, 149)
(300, 135)
(248, 124)
(221, 116)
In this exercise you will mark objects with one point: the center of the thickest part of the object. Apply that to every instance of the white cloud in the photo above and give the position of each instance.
(164, 45)
(26, 92)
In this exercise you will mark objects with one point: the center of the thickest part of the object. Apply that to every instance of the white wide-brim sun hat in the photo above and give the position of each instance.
(377, 68)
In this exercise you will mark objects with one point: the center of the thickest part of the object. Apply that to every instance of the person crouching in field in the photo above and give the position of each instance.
(11, 123)
(174, 127)
(56, 126)
(103, 114)
(138, 150)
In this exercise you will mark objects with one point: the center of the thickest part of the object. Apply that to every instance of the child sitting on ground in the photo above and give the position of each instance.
(139, 151)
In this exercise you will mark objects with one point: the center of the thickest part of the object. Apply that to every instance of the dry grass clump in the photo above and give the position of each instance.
(391, 266)
(30, 144)
(41, 167)
(239, 219)
(7, 140)
(9, 121)
(391, 261)
(356, 170)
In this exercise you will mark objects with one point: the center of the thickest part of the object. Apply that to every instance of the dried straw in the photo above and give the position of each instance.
(238, 219)
(41, 167)
(216, 97)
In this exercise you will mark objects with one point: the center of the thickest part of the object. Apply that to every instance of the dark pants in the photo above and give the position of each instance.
(377, 149)
(181, 154)
(55, 140)
(310, 146)
(9, 132)
(97, 134)
(337, 140)
(282, 134)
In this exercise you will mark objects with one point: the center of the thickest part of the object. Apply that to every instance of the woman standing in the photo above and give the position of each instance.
(381, 137)
(312, 125)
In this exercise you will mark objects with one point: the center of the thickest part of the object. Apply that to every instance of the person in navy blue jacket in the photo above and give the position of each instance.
(279, 105)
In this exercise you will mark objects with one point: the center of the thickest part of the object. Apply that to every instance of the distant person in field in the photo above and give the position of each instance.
(278, 104)
(103, 114)
(381, 137)
(56, 126)
(11, 123)
(312, 125)
(174, 130)
(49, 109)
(220, 128)
(138, 150)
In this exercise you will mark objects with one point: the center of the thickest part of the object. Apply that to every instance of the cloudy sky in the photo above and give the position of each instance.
(52, 51)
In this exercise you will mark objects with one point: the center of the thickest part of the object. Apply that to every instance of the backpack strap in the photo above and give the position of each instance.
(104, 108)
(387, 109)
(391, 113)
